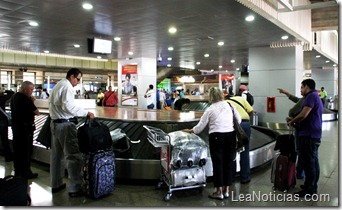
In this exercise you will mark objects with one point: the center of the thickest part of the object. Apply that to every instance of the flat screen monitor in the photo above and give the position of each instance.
(102, 46)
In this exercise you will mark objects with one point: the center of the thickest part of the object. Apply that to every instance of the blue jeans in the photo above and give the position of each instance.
(244, 156)
(151, 106)
(299, 168)
(309, 156)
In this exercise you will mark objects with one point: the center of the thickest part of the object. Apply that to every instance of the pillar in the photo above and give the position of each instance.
(272, 68)
(147, 74)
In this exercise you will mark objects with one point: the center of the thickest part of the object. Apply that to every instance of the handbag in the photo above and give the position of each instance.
(241, 137)
(93, 136)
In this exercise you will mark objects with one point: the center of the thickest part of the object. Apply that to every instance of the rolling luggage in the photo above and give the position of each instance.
(188, 176)
(98, 173)
(284, 164)
(13, 191)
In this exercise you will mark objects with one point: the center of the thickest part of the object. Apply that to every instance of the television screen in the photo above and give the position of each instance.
(102, 46)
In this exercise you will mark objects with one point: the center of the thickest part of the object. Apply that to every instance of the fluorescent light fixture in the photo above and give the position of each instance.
(172, 30)
(327, 61)
(220, 66)
(87, 6)
(168, 65)
(170, 48)
(117, 39)
(220, 43)
(130, 53)
(249, 18)
(237, 69)
(76, 46)
(232, 61)
(33, 23)
(284, 37)
(206, 55)
(318, 56)
(198, 63)
(169, 59)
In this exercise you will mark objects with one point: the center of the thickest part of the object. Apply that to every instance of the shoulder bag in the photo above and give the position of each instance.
(241, 137)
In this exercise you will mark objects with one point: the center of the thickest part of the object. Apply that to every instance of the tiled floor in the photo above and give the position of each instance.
(258, 192)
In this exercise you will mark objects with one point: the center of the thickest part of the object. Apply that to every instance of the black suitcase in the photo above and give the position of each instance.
(93, 136)
(13, 191)
(98, 173)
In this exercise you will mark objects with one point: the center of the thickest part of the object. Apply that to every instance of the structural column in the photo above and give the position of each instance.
(272, 68)
(146, 75)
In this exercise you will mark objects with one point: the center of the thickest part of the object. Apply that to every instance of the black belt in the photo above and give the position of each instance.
(73, 120)
(244, 120)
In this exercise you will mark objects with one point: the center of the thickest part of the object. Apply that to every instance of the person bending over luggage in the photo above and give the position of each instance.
(222, 140)
(245, 110)
(23, 111)
(63, 112)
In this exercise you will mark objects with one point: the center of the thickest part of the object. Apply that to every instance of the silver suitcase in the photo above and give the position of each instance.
(188, 176)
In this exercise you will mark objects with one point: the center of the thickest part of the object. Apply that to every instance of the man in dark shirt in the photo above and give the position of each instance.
(310, 133)
(4, 97)
(23, 111)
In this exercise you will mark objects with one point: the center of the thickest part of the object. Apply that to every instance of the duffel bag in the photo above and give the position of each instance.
(93, 135)
(13, 191)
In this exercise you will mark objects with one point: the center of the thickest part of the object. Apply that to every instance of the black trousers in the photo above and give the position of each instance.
(4, 139)
(22, 148)
(222, 152)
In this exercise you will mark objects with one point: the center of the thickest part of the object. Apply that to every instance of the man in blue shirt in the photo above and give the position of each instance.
(310, 133)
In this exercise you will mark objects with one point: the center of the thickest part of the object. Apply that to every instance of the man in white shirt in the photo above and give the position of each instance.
(162, 99)
(63, 113)
(150, 96)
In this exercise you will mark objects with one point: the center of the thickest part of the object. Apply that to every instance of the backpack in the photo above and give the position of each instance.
(250, 98)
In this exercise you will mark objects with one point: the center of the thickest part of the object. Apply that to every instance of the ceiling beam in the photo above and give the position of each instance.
(312, 6)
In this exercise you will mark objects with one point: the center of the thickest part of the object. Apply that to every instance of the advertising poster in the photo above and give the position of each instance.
(129, 79)
(228, 83)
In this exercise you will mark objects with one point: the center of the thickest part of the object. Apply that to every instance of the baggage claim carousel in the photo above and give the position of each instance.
(142, 160)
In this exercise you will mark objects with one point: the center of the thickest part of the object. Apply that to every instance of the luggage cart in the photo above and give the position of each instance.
(175, 177)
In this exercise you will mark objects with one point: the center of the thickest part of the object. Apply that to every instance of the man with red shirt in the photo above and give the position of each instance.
(110, 98)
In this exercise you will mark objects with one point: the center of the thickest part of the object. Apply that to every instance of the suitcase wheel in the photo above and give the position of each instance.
(167, 197)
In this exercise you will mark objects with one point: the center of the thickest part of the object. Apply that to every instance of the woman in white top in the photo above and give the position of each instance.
(222, 140)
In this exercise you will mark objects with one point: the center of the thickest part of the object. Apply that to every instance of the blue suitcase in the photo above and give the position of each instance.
(98, 173)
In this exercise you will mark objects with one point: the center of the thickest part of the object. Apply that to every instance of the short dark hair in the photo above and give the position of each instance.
(310, 83)
(128, 75)
(73, 71)
(150, 86)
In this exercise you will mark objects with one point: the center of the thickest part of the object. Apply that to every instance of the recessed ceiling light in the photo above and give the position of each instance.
(99, 57)
(87, 6)
(220, 43)
(318, 56)
(130, 53)
(249, 18)
(46, 51)
(168, 65)
(237, 69)
(335, 65)
(33, 23)
(212, 70)
(117, 39)
(198, 63)
(169, 59)
(220, 67)
(284, 37)
(232, 61)
(170, 48)
(76, 45)
(172, 30)
(206, 55)
(327, 61)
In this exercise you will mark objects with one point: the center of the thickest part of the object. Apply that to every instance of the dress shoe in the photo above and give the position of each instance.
(245, 181)
(303, 193)
(226, 194)
(76, 194)
(216, 196)
(59, 188)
